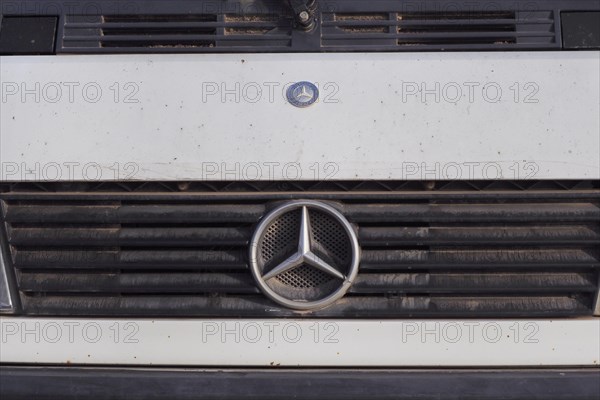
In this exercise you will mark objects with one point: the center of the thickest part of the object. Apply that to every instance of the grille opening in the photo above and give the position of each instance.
(457, 28)
(440, 16)
(352, 17)
(159, 18)
(361, 16)
(478, 28)
(251, 18)
(251, 24)
(157, 31)
(430, 18)
(133, 271)
(149, 30)
(481, 40)
(304, 277)
(326, 232)
(157, 43)
(281, 235)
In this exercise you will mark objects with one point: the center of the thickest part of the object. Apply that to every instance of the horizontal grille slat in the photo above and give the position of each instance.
(438, 22)
(237, 283)
(153, 39)
(138, 283)
(490, 236)
(459, 249)
(474, 212)
(507, 258)
(361, 307)
(474, 283)
(441, 35)
(53, 259)
(371, 259)
(146, 237)
(168, 24)
(134, 214)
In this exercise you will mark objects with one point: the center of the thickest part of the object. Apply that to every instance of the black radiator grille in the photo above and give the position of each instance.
(479, 252)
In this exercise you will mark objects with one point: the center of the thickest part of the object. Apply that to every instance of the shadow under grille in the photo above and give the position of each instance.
(450, 253)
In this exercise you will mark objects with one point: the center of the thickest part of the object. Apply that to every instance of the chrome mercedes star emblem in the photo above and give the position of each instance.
(302, 94)
(304, 254)
(304, 261)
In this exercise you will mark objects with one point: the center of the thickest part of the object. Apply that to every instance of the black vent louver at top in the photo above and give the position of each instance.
(346, 29)
(439, 30)
(270, 26)
(156, 33)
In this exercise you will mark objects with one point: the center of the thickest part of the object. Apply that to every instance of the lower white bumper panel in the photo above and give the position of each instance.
(318, 343)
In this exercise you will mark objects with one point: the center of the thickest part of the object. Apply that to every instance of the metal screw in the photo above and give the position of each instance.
(304, 16)
(183, 186)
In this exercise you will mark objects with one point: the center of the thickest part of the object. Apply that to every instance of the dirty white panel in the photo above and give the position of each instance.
(414, 343)
(515, 115)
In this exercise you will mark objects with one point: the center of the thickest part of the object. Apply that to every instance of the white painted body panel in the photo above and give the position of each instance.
(388, 343)
(199, 117)
(370, 127)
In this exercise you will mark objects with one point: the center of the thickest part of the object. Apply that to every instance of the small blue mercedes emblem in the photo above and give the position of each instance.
(302, 94)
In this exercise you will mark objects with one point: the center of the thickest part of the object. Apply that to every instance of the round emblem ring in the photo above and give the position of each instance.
(302, 94)
(257, 272)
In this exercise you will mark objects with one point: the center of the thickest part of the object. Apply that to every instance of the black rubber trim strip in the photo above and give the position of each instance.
(65, 383)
